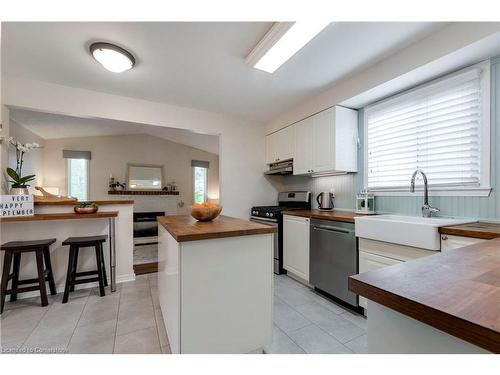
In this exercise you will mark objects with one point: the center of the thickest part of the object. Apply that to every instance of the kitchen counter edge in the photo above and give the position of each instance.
(334, 215)
(184, 228)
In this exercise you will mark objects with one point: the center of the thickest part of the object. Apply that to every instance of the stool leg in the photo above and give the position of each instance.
(68, 274)
(99, 270)
(15, 280)
(50, 276)
(75, 266)
(5, 277)
(103, 265)
(41, 277)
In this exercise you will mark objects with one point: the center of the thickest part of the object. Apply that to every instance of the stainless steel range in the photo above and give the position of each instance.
(272, 215)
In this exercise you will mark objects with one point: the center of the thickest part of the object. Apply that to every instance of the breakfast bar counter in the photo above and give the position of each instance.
(215, 284)
(447, 302)
(59, 216)
(58, 220)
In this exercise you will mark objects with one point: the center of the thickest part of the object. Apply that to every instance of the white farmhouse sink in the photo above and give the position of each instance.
(413, 231)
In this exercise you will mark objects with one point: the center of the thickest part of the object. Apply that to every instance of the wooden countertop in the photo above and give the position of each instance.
(486, 231)
(457, 291)
(334, 215)
(185, 228)
(59, 216)
(99, 203)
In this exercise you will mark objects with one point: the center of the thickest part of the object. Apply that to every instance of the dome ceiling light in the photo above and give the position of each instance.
(112, 57)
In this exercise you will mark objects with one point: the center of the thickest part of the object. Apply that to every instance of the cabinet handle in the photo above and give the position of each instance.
(444, 238)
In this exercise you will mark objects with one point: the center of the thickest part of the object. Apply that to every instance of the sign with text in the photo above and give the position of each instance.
(16, 205)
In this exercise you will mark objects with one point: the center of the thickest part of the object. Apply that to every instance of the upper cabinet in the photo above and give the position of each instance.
(280, 145)
(303, 158)
(323, 143)
(327, 142)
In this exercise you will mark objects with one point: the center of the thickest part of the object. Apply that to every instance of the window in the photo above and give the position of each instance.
(200, 184)
(78, 179)
(441, 128)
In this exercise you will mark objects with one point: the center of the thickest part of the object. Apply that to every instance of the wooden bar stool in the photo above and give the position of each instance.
(13, 251)
(75, 243)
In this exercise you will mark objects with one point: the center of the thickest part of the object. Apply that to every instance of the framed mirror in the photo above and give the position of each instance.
(144, 177)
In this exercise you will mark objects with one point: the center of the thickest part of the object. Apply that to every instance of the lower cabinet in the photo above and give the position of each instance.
(454, 242)
(296, 245)
(370, 262)
(376, 254)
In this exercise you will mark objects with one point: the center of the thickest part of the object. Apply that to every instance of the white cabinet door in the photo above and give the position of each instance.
(303, 159)
(454, 242)
(280, 145)
(323, 141)
(370, 262)
(296, 245)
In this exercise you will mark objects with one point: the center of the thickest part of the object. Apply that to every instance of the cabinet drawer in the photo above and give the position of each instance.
(455, 242)
(371, 262)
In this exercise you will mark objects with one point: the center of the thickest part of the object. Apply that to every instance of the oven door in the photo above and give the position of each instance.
(276, 251)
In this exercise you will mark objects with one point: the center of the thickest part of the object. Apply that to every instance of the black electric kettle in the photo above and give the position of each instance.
(325, 200)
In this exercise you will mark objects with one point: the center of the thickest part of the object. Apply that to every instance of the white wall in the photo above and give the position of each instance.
(242, 146)
(111, 154)
(33, 160)
(442, 43)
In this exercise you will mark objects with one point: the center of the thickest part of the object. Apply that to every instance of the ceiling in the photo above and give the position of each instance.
(53, 126)
(201, 65)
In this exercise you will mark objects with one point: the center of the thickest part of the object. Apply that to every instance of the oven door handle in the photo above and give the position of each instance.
(263, 220)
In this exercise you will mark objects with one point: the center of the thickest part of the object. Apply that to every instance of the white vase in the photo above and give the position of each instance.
(18, 191)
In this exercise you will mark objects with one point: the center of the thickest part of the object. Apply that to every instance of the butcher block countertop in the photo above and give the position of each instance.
(70, 203)
(334, 215)
(59, 216)
(184, 228)
(457, 291)
(485, 231)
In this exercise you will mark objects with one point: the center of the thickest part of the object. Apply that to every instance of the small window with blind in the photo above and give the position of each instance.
(441, 128)
(78, 171)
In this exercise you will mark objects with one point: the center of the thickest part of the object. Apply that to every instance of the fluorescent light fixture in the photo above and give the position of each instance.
(112, 57)
(282, 42)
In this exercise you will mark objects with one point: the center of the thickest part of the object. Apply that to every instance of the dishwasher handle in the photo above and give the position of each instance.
(331, 229)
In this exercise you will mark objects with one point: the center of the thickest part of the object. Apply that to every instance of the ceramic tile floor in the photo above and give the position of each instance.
(127, 321)
(305, 322)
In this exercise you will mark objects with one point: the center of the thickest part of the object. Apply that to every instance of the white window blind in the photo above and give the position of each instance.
(436, 128)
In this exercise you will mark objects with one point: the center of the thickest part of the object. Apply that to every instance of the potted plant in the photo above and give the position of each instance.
(18, 181)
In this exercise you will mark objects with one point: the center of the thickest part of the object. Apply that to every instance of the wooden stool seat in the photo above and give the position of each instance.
(72, 276)
(13, 251)
(85, 241)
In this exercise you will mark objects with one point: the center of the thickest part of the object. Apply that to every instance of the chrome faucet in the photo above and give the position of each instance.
(427, 210)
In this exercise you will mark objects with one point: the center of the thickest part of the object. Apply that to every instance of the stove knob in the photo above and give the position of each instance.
(267, 214)
(271, 214)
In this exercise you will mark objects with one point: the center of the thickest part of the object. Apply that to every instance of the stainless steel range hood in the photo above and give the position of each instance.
(281, 168)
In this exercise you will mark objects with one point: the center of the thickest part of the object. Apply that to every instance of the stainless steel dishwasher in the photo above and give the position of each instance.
(333, 258)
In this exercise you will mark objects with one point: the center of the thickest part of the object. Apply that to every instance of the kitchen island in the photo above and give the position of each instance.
(444, 303)
(215, 284)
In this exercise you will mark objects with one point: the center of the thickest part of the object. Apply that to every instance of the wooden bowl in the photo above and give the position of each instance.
(85, 210)
(201, 213)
